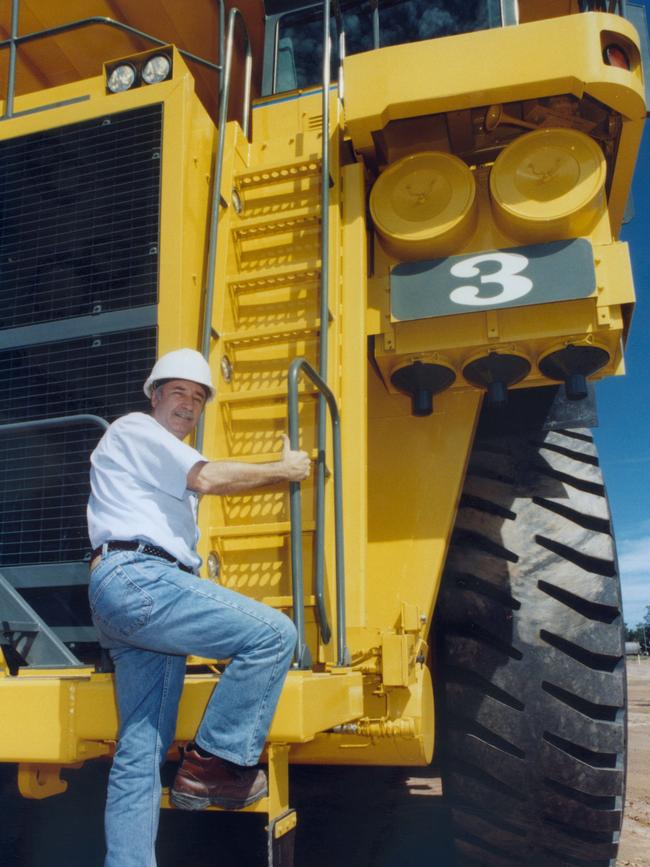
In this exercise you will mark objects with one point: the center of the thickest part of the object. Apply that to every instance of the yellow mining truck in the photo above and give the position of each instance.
(392, 227)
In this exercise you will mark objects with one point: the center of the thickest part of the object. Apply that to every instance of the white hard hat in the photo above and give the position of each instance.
(181, 364)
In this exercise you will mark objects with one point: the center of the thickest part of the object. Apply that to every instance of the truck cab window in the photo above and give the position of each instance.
(414, 20)
(299, 37)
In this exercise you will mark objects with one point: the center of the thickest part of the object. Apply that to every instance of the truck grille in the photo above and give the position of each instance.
(79, 218)
(79, 235)
(44, 472)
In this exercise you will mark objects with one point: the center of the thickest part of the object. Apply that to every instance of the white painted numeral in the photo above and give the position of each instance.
(508, 277)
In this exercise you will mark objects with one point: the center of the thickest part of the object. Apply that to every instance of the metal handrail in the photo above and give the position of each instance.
(15, 40)
(319, 542)
(57, 421)
(340, 26)
(325, 399)
(615, 7)
(374, 5)
(224, 98)
(303, 658)
(11, 78)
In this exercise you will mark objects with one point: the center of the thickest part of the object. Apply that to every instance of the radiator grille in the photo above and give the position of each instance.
(79, 218)
(99, 375)
(44, 472)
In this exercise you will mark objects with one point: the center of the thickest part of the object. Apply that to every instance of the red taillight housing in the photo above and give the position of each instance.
(614, 55)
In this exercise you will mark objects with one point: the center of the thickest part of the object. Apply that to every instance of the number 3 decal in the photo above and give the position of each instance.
(508, 277)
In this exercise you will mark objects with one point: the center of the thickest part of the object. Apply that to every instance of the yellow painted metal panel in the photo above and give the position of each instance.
(529, 330)
(410, 709)
(561, 55)
(63, 720)
(354, 389)
(395, 659)
(415, 471)
(51, 720)
(622, 180)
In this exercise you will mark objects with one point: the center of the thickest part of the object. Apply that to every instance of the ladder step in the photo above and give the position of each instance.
(271, 528)
(251, 260)
(260, 212)
(261, 228)
(286, 601)
(261, 806)
(269, 335)
(277, 174)
(262, 395)
(290, 275)
(293, 241)
(283, 304)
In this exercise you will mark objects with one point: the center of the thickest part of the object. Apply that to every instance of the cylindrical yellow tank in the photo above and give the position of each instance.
(548, 185)
(424, 205)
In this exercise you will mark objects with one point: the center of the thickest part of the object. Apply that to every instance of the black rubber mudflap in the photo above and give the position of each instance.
(281, 840)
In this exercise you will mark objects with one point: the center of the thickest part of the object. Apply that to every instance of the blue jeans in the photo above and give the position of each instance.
(150, 615)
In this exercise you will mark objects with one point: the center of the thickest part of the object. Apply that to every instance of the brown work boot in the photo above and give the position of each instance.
(202, 782)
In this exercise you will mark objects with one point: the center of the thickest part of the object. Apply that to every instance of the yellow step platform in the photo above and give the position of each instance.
(82, 717)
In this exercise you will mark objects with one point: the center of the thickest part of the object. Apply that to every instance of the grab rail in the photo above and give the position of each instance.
(615, 7)
(57, 421)
(324, 310)
(45, 649)
(303, 658)
(325, 399)
(15, 40)
(224, 97)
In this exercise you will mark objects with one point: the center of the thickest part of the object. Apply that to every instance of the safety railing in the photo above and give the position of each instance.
(326, 399)
(224, 98)
(15, 40)
(324, 314)
(56, 421)
(21, 627)
(303, 657)
(615, 7)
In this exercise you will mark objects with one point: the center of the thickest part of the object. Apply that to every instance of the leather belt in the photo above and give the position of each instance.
(144, 548)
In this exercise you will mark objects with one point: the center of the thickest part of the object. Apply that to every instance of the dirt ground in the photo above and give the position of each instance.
(635, 840)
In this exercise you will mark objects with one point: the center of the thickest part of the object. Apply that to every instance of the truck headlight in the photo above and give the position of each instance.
(121, 78)
(156, 69)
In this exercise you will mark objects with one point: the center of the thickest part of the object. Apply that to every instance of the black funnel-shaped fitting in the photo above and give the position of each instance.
(495, 373)
(573, 364)
(422, 402)
(421, 380)
(497, 394)
(575, 386)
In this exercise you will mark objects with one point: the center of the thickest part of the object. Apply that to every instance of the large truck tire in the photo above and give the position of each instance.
(531, 659)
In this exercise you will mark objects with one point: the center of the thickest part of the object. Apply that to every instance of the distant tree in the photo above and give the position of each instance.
(640, 632)
(634, 633)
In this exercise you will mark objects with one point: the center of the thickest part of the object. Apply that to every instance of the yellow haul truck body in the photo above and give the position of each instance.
(447, 263)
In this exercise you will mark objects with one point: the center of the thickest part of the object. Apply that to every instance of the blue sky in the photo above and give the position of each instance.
(623, 436)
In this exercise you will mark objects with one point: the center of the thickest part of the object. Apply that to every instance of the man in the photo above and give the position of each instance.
(151, 611)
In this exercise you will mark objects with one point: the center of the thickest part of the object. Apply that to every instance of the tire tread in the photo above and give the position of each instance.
(531, 655)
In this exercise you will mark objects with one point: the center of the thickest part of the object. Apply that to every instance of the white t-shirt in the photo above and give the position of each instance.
(138, 481)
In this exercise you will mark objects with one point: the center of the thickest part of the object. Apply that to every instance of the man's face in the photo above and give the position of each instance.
(177, 406)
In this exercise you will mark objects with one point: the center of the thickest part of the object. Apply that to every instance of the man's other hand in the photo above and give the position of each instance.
(295, 463)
